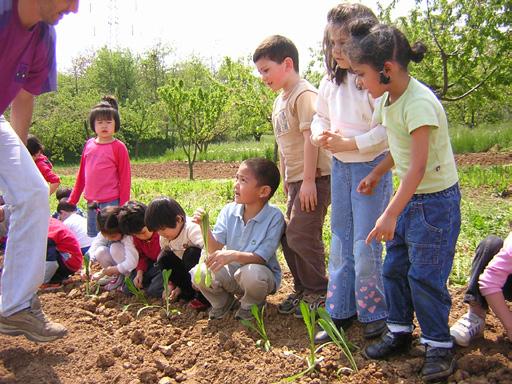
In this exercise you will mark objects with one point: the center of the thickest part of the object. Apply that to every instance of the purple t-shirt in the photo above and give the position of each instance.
(27, 57)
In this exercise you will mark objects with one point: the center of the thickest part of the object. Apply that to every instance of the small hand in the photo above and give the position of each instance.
(285, 188)
(110, 271)
(218, 259)
(137, 281)
(307, 196)
(384, 229)
(198, 216)
(367, 185)
(335, 142)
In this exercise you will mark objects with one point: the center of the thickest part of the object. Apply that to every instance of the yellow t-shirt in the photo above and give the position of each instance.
(292, 114)
(417, 107)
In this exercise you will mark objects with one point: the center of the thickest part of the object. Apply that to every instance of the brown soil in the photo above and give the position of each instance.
(220, 170)
(107, 345)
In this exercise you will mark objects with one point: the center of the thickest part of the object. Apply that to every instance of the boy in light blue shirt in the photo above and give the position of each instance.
(242, 247)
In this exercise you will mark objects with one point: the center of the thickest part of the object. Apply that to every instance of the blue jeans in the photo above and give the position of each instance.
(419, 260)
(355, 268)
(92, 229)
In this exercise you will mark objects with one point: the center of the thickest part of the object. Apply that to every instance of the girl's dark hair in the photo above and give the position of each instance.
(34, 145)
(106, 109)
(107, 220)
(341, 16)
(162, 213)
(62, 192)
(65, 206)
(131, 217)
(376, 44)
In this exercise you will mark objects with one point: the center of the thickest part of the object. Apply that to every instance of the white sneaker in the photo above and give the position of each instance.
(467, 328)
(115, 283)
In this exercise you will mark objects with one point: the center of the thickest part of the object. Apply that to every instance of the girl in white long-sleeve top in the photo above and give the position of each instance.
(343, 125)
(113, 250)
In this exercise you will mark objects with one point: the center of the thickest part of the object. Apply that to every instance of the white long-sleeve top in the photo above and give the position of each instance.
(348, 111)
(131, 256)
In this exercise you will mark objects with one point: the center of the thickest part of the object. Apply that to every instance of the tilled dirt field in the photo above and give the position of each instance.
(108, 345)
(220, 170)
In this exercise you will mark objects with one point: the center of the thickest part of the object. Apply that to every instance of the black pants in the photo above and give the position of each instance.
(180, 275)
(152, 281)
(52, 254)
(484, 253)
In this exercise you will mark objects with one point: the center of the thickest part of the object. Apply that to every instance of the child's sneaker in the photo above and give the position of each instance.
(313, 300)
(114, 284)
(198, 305)
(467, 328)
(50, 287)
(290, 304)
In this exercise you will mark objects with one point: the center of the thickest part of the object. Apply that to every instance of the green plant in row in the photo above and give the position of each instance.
(259, 327)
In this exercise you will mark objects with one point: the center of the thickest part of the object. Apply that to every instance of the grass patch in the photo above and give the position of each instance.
(481, 138)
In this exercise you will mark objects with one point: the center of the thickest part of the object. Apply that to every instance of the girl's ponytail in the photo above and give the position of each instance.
(111, 100)
(418, 51)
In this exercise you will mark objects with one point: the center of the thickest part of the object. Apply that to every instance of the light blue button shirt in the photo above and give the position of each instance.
(261, 235)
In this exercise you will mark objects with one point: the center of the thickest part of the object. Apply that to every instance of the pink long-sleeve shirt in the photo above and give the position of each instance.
(498, 270)
(104, 173)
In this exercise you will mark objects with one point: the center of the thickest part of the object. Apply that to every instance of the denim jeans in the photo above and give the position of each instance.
(355, 268)
(419, 260)
(92, 229)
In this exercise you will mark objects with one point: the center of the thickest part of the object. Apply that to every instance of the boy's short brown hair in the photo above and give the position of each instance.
(265, 172)
(277, 48)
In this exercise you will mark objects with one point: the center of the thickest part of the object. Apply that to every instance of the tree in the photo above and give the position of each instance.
(469, 44)
(194, 112)
(250, 100)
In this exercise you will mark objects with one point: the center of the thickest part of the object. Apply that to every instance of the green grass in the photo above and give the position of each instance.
(483, 211)
(481, 138)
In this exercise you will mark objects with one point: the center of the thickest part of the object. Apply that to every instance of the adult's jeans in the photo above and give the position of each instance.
(355, 268)
(418, 262)
(26, 193)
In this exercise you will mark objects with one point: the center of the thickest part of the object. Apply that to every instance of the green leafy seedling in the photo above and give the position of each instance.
(87, 267)
(337, 336)
(259, 327)
(139, 295)
(312, 360)
(166, 274)
(205, 228)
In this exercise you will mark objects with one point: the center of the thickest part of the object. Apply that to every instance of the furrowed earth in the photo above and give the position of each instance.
(107, 344)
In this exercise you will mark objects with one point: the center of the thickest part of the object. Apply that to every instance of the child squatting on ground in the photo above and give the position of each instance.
(422, 222)
(305, 170)
(111, 185)
(113, 250)
(242, 246)
(490, 284)
(343, 126)
(146, 275)
(181, 242)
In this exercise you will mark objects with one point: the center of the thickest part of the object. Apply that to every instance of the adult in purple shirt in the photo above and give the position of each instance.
(27, 69)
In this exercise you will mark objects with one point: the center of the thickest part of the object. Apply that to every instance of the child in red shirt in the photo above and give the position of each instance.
(147, 275)
(44, 165)
(63, 254)
(104, 174)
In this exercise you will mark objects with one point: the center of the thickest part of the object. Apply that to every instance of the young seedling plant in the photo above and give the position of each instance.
(337, 336)
(139, 295)
(205, 228)
(166, 274)
(87, 268)
(312, 360)
(259, 327)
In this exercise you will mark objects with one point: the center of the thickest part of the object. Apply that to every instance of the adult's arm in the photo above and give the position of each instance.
(21, 113)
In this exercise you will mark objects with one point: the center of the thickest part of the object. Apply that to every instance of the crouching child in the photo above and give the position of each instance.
(242, 246)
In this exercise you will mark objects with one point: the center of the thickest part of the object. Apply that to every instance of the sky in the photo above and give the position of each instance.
(207, 29)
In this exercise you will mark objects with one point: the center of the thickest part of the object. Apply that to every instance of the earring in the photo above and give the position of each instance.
(383, 78)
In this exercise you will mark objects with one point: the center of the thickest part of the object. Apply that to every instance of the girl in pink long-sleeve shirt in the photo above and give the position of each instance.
(490, 285)
(104, 174)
